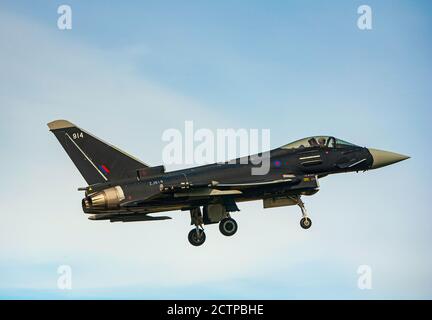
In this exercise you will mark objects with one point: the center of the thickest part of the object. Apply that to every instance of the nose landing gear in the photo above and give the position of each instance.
(305, 221)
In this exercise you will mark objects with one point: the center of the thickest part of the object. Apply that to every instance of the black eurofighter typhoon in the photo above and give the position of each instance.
(122, 188)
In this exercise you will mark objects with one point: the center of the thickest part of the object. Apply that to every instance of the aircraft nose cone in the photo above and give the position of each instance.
(384, 158)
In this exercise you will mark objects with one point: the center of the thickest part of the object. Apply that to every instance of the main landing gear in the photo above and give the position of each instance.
(227, 226)
(197, 236)
(305, 221)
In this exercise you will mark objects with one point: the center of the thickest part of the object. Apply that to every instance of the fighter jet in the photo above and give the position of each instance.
(122, 188)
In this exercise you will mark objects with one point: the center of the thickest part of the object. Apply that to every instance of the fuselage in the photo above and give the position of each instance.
(122, 188)
(284, 164)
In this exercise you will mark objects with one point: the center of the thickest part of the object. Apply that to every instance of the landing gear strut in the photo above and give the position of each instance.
(305, 221)
(197, 236)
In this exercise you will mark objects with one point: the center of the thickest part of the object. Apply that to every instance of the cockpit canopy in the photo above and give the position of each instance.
(318, 141)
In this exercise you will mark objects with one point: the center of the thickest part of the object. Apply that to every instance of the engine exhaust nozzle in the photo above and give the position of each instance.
(103, 200)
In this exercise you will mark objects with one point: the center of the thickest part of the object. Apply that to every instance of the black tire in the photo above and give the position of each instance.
(228, 227)
(305, 223)
(196, 240)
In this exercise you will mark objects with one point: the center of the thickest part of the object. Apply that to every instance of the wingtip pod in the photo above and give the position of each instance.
(59, 124)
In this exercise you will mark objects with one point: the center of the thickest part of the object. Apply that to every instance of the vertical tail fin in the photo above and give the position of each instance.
(96, 160)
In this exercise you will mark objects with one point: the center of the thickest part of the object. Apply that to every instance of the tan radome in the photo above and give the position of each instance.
(383, 158)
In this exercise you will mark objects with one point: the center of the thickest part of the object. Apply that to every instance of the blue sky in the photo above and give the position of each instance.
(127, 72)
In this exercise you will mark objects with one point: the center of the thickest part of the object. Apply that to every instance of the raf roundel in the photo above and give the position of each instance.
(104, 169)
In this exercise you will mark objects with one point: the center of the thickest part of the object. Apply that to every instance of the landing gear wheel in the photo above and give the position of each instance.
(196, 238)
(305, 223)
(228, 227)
